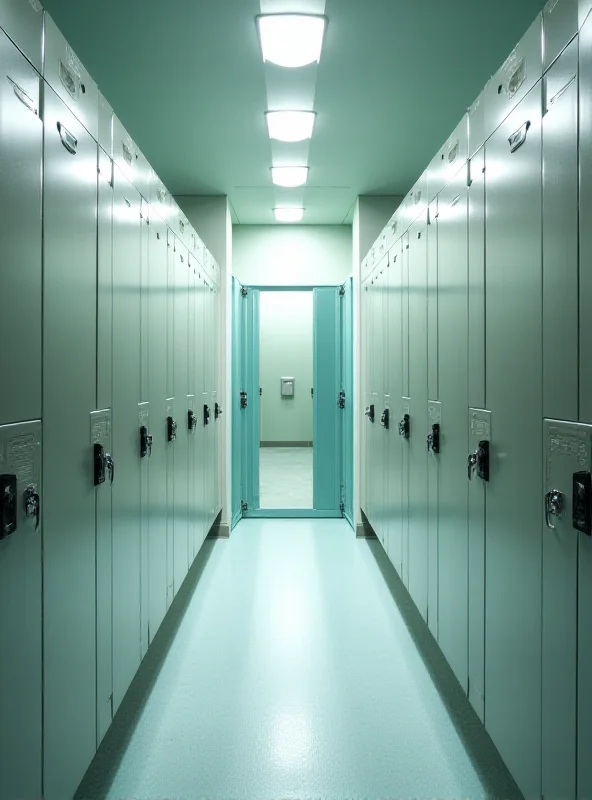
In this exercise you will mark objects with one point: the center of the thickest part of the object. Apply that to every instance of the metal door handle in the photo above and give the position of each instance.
(554, 505)
(23, 96)
(70, 142)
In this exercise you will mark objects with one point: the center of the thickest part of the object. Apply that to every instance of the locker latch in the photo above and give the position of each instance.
(171, 429)
(385, 418)
(206, 414)
(191, 421)
(145, 442)
(217, 411)
(243, 399)
(32, 504)
(341, 401)
(405, 427)
(581, 500)
(554, 505)
(8, 518)
(370, 413)
(103, 465)
(479, 461)
(434, 438)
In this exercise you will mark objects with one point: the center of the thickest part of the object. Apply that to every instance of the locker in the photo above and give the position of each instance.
(192, 345)
(143, 175)
(449, 159)
(476, 279)
(20, 619)
(157, 472)
(585, 202)
(170, 500)
(200, 441)
(515, 78)
(125, 153)
(476, 123)
(453, 389)
(181, 277)
(105, 282)
(101, 427)
(69, 79)
(159, 197)
(23, 24)
(217, 399)
(393, 233)
(126, 435)
(584, 704)
(145, 446)
(432, 299)
(479, 425)
(433, 502)
(418, 199)
(144, 300)
(418, 386)
(560, 238)
(21, 133)
(405, 311)
(105, 126)
(367, 390)
(514, 333)
(381, 352)
(385, 431)
(69, 396)
(393, 332)
(560, 25)
(405, 496)
(567, 447)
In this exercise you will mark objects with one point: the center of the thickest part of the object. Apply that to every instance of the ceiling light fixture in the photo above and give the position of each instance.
(288, 214)
(291, 40)
(289, 176)
(290, 126)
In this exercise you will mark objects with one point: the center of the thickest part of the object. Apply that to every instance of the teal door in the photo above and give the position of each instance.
(332, 424)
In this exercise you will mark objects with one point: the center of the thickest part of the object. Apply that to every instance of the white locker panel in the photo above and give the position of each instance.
(21, 134)
(449, 159)
(560, 238)
(514, 334)
(125, 153)
(393, 231)
(69, 79)
(433, 505)
(157, 348)
(144, 299)
(144, 421)
(181, 277)
(560, 25)
(515, 78)
(159, 197)
(584, 8)
(418, 389)
(143, 175)
(432, 289)
(405, 311)
(585, 194)
(23, 23)
(69, 397)
(417, 199)
(20, 619)
(476, 124)
(568, 450)
(105, 123)
(105, 282)
(479, 431)
(476, 279)
(394, 334)
(453, 361)
(170, 500)
(126, 435)
(200, 379)
(405, 497)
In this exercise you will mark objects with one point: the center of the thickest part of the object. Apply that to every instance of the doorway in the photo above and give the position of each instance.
(292, 416)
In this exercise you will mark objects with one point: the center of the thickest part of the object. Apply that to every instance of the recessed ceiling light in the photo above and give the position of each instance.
(290, 126)
(289, 176)
(291, 40)
(288, 214)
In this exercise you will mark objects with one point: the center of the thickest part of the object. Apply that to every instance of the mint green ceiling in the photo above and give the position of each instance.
(187, 80)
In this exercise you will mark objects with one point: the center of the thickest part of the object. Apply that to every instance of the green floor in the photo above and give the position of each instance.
(293, 674)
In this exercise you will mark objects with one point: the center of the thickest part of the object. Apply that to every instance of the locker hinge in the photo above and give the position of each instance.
(342, 291)
(244, 291)
(244, 506)
(342, 507)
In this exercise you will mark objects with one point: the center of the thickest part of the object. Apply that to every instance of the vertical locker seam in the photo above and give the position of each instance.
(42, 565)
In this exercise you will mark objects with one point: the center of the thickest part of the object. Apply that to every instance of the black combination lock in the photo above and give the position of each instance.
(244, 400)
(434, 438)
(341, 401)
(206, 414)
(581, 502)
(370, 413)
(191, 421)
(104, 466)
(8, 518)
(145, 442)
(385, 418)
(171, 429)
(479, 462)
(405, 427)
(217, 411)
(32, 504)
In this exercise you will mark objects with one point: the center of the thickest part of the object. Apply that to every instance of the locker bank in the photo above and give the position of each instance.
(296, 439)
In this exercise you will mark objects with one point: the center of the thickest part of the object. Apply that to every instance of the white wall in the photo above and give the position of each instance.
(286, 350)
(298, 255)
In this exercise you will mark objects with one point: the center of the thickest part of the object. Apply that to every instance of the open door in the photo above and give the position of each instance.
(346, 399)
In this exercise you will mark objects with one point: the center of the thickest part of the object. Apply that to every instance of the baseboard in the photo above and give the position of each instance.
(364, 530)
(219, 531)
(286, 444)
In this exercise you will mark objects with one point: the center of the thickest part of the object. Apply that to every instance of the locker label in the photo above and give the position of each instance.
(435, 413)
(572, 444)
(22, 450)
(100, 427)
(143, 413)
(480, 425)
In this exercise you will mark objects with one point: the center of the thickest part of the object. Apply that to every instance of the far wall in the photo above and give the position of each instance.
(286, 350)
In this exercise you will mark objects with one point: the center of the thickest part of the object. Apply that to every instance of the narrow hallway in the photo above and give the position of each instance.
(293, 674)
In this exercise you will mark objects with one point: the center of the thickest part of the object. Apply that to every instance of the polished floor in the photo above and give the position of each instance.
(294, 674)
(286, 477)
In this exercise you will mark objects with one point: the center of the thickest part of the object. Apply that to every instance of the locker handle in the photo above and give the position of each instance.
(554, 505)
(20, 93)
(32, 504)
(518, 138)
(70, 142)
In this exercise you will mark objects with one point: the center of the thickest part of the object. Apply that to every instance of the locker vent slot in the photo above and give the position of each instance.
(517, 79)
(68, 80)
(453, 153)
(161, 194)
(127, 154)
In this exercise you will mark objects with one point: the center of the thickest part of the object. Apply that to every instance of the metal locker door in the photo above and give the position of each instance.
(191, 416)
(434, 417)
(513, 352)
(200, 468)
(584, 702)
(560, 238)
(69, 396)
(181, 414)
(21, 133)
(568, 452)
(206, 409)
(387, 411)
(21, 677)
(23, 23)
(157, 393)
(418, 386)
(170, 422)
(394, 476)
(127, 422)
(145, 425)
(368, 413)
(453, 388)
(585, 202)
(405, 430)
(476, 394)
(215, 405)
